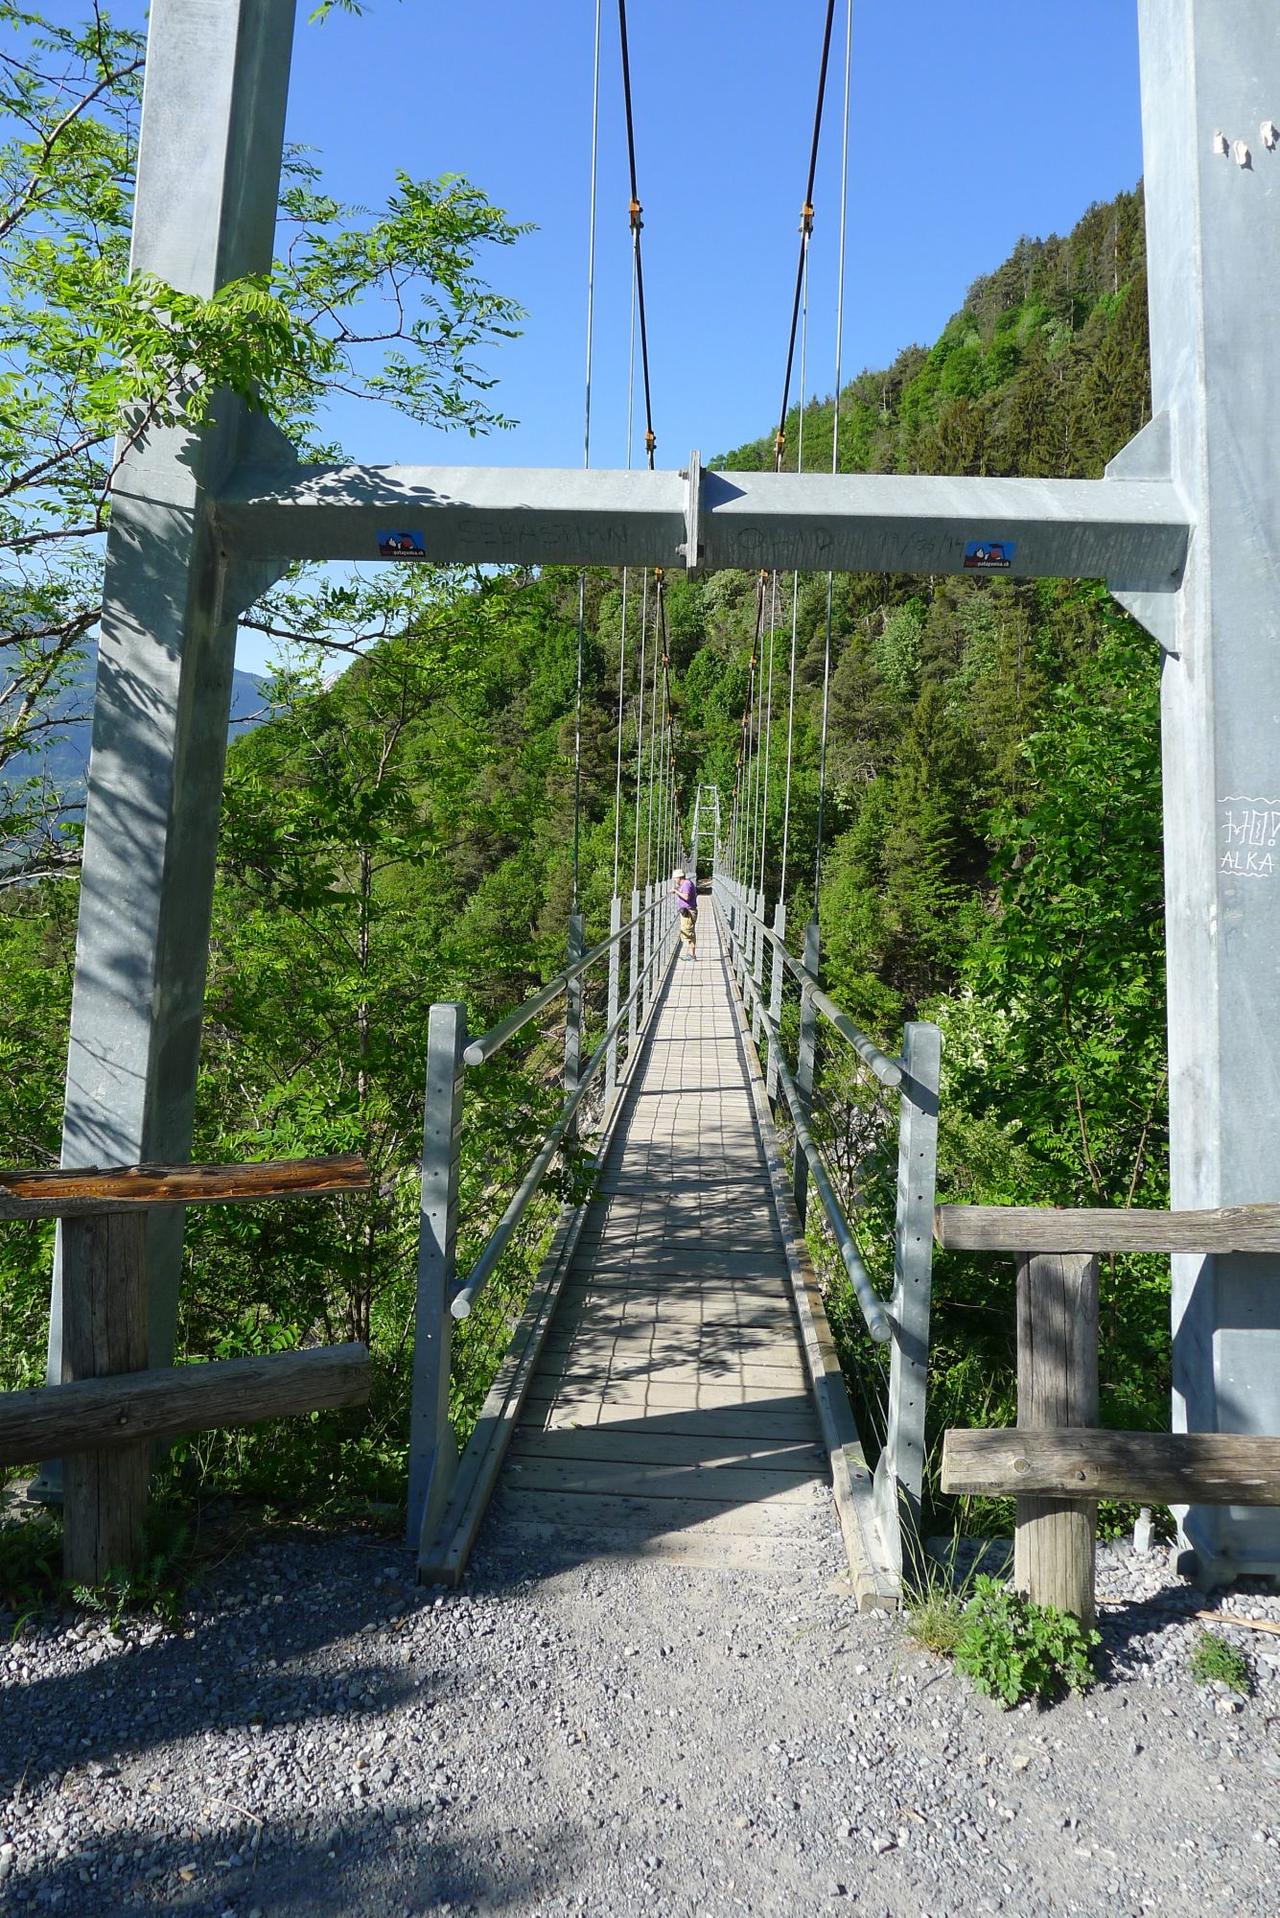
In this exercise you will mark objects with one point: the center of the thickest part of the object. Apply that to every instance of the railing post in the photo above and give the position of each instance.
(615, 962)
(646, 954)
(633, 974)
(900, 1472)
(775, 1000)
(573, 1017)
(806, 1058)
(1055, 1539)
(433, 1450)
(758, 969)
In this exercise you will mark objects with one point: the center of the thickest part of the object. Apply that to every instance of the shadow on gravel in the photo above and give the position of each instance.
(363, 1867)
(277, 1601)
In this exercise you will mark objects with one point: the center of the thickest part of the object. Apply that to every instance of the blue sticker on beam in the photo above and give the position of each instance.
(401, 546)
(989, 555)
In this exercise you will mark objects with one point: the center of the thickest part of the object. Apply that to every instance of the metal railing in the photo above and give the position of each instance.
(649, 940)
(900, 1322)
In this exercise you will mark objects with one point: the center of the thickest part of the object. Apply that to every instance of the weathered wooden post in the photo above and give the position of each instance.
(433, 1450)
(615, 963)
(1055, 1538)
(104, 1331)
(900, 1471)
(775, 997)
(573, 1017)
(806, 1061)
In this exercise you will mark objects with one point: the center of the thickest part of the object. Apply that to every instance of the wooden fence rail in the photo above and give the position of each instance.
(1057, 1464)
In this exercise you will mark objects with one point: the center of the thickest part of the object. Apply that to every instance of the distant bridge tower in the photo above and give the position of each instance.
(706, 825)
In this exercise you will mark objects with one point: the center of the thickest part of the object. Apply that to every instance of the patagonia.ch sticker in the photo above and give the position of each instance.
(401, 546)
(989, 555)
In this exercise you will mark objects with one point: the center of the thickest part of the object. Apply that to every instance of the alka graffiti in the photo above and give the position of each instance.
(1250, 836)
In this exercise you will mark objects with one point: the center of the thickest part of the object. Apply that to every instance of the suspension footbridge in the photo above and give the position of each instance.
(670, 1411)
(205, 515)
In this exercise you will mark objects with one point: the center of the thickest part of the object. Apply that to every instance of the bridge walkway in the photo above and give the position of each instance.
(670, 1413)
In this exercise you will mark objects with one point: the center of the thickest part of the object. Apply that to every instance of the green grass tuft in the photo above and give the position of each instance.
(1214, 1660)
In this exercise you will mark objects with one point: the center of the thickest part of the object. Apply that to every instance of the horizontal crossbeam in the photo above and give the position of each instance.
(1030, 1228)
(89, 1415)
(1174, 1468)
(1133, 533)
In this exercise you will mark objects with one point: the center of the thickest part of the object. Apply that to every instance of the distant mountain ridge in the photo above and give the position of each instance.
(63, 757)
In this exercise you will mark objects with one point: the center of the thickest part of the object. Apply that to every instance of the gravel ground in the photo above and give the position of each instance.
(616, 1739)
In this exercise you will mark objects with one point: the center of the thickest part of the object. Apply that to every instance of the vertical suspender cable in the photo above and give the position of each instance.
(835, 447)
(653, 727)
(644, 636)
(622, 641)
(586, 454)
(768, 736)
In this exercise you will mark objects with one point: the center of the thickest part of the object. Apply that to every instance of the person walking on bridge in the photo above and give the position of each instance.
(687, 895)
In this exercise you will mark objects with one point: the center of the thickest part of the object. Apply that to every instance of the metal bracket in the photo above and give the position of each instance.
(692, 546)
(1148, 456)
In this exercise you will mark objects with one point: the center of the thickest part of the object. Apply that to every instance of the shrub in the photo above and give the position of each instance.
(1013, 1649)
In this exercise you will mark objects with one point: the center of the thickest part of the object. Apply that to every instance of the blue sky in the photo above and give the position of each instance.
(970, 126)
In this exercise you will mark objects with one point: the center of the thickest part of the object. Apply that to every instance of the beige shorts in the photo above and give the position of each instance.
(688, 925)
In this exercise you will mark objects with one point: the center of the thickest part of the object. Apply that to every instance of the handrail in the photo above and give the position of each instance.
(498, 1240)
(869, 1300)
(886, 1070)
(492, 1041)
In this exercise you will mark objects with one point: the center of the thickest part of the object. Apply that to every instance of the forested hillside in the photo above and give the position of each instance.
(402, 833)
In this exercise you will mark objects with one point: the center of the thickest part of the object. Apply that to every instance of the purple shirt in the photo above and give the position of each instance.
(687, 894)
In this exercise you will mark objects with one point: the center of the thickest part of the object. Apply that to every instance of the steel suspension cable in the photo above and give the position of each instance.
(806, 227)
(835, 447)
(637, 227)
(586, 456)
(795, 593)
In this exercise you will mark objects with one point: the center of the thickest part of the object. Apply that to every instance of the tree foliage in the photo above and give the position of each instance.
(403, 832)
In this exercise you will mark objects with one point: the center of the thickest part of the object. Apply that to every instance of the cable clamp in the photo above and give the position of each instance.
(806, 217)
(635, 209)
(650, 440)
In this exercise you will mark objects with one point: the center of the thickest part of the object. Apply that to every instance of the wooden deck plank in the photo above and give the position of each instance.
(637, 1478)
(742, 1420)
(606, 1442)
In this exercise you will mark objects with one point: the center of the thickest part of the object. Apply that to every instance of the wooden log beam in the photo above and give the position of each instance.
(1172, 1468)
(68, 1194)
(107, 1414)
(1025, 1228)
